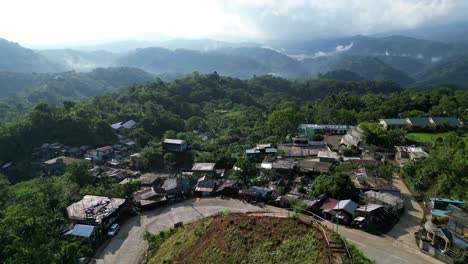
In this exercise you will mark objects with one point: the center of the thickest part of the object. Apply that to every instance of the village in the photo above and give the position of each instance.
(284, 174)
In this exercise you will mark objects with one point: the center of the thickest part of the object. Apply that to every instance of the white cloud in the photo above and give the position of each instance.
(58, 21)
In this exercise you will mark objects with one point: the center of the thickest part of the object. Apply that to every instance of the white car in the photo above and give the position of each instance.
(114, 228)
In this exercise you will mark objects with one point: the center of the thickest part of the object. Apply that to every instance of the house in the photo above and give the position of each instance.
(89, 232)
(328, 156)
(354, 137)
(102, 153)
(121, 127)
(389, 200)
(261, 149)
(175, 145)
(176, 187)
(344, 210)
(458, 226)
(58, 165)
(264, 192)
(94, 210)
(327, 208)
(149, 198)
(371, 212)
(439, 206)
(229, 188)
(309, 130)
(392, 123)
(312, 166)
(302, 147)
(290, 199)
(284, 167)
(205, 187)
(365, 180)
(419, 123)
(204, 168)
(406, 153)
(438, 122)
(153, 179)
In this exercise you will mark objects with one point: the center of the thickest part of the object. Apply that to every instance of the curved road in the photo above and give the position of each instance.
(129, 246)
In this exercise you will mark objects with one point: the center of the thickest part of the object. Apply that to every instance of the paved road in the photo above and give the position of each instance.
(129, 246)
(398, 245)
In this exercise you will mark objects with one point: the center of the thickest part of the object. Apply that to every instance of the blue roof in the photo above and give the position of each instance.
(460, 242)
(447, 200)
(450, 121)
(81, 230)
(420, 121)
(129, 124)
(271, 150)
(438, 212)
(395, 121)
(252, 151)
(346, 205)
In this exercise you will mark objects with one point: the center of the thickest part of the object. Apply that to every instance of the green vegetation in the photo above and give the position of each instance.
(356, 254)
(337, 185)
(234, 115)
(443, 173)
(242, 239)
(430, 138)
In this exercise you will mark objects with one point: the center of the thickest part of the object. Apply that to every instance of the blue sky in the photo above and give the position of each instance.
(51, 22)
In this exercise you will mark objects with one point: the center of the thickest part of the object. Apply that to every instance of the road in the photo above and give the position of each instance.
(129, 246)
(398, 245)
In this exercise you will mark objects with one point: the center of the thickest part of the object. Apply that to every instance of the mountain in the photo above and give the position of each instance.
(451, 72)
(453, 32)
(371, 68)
(410, 65)
(341, 75)
(19, 92)
(14, 58)
(426, 50)
(77, 60)
(235, 62)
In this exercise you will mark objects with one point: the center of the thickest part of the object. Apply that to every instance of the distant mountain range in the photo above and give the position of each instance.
(408, 61)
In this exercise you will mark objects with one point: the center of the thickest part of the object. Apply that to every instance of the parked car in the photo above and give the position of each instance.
(113, 230)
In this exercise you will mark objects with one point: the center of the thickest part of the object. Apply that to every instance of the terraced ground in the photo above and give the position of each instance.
(243, 238)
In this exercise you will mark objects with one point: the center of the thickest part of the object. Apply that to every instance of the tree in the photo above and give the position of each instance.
(284, 122)
(338, 185)
(246, 170)
(79, 173)
(152, 156)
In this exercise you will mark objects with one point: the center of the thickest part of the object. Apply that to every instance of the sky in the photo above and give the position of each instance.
(55, 22)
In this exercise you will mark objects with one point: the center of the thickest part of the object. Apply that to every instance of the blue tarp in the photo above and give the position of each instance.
(460, 242)
(81, 230)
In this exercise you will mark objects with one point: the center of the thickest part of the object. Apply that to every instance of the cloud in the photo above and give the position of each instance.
(55, 21)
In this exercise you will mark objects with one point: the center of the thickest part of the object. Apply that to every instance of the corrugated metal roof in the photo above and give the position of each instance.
(174, 141)
(450, 121)
(81, 230)
(346, 205)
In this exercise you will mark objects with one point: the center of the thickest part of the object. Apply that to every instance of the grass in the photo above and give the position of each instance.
(429, 138)
(356, 254)
(239, 238)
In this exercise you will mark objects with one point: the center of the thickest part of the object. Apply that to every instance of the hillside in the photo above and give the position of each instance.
(235, 62)
(239, 238)
(69, 59)
(451, 72)
(14, 58)
(19, 92)
(371, 69)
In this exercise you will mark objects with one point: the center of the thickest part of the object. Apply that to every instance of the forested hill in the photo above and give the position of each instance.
(20, 92)
(14, 58)
(235, 113)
